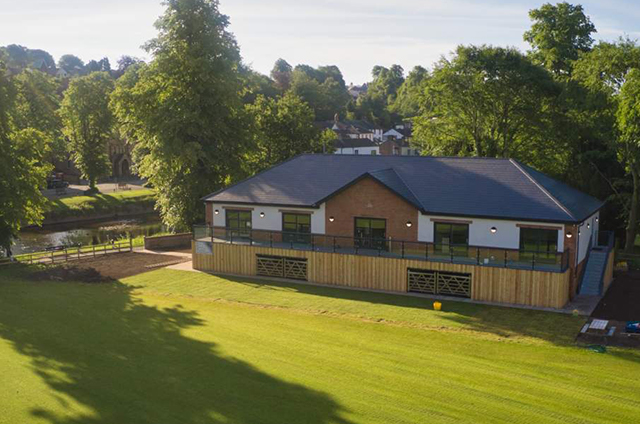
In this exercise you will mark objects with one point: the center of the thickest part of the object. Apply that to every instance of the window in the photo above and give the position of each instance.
(370, 233)
(373, 152)
(542, 242)
(355, 151)
(451, 238)
(238, 223)
(296, 228)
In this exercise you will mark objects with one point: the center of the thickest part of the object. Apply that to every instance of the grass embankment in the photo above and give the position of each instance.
(101, 204)
(181, 347)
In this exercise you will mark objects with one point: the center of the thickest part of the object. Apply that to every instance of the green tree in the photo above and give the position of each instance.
(628, 120)
(281, 74)
(283, 128)
(407, 101)
(88, 124)
(381, 93)
(609, 72)
(72, 64)
(487, 101)
(23, 170)
(323, 89)
(558, 35)
(36, 106)
(184, 109)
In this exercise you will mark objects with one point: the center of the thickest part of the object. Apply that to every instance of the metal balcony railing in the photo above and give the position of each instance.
(417, 250)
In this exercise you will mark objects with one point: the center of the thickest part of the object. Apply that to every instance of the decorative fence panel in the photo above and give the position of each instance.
(439, 282)
(278, 266)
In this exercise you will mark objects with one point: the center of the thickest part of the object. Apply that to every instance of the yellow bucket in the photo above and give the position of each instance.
(437, 306)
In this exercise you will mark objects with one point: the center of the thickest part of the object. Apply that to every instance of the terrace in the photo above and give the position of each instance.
(388, 248)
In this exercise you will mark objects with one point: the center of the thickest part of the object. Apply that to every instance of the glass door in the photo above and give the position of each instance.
(238, 223)
(451, 239)
(296, 228)
(370, 233)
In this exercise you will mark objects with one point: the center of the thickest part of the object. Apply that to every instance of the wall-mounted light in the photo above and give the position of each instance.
(216, 211)
(409, 224)
(588, 225)
(597, 219)
(493, 230)
(569, 235)
(579, 232)
(261, 214)
(331, 219)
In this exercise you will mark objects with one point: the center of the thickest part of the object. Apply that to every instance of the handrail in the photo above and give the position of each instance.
(420, 250)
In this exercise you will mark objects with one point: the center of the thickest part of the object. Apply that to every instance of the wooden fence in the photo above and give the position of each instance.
(70, 253)
(494, 284)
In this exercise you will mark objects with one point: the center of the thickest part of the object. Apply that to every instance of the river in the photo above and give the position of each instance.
(36, 239)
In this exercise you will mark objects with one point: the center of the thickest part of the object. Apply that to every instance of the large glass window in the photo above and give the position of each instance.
(296, 227)
(370, 233)
(542, 242)
(449, 237)
(238, 223)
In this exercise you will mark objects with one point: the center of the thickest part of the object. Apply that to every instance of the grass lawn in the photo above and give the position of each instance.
(169, 347)
(99, 203)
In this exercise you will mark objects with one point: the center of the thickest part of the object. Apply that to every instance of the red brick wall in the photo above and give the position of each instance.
(209, 213)
(370, 199)
(571, 244)
(386, 148)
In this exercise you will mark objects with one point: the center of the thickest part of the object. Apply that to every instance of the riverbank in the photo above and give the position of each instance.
(99, 207)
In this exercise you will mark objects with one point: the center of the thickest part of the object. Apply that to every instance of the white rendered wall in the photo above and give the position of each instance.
(588, 231)
(361, 150)
(507, 235)
(272, 216)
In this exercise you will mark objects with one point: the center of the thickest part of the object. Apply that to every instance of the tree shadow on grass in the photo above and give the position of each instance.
(128, 362)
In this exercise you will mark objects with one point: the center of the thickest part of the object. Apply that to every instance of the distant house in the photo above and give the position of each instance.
(352, 128)
(357, 90)
(356, 146)
(61, 73)
(486, 229)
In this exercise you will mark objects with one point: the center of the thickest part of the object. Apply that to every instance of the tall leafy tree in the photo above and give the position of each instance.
(558, 35)
(628, 120)
(322, 88)
(284, 128)
(36, 106)
(184, 109)
(381, 93)
(281, 74)
(605, 72)
(23, 170)
(72, 64)
(88, 124)
(407, 100)
(487, 101)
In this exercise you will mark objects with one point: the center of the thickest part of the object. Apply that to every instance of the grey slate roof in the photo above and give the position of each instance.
(474, 187)
(344, 143)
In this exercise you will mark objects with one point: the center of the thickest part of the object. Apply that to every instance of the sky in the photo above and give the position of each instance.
(355, 35)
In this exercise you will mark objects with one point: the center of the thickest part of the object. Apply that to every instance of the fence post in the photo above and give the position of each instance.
(66, 255)
(426, 251)
(130, 244)
(250, 237)
(402, 245)
(533, 261)
(451, 252)
(478, 255)
(52, 260)
(505, 257)
(312, 243)
(270, 238)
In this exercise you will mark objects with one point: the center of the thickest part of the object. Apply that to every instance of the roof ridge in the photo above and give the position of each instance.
(416, 198)
(544, 190)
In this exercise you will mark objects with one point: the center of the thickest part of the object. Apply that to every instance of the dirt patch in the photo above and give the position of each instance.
(110, 267)
(622, 301)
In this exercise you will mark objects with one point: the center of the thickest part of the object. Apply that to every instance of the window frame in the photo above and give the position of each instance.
(296, 236)
(238, 231)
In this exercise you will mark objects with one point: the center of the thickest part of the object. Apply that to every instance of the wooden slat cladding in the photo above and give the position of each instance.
(494, 284)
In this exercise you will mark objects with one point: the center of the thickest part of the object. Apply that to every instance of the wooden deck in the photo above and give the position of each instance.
(493, 284)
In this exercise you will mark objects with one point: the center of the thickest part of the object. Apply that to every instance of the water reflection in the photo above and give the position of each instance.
(36, 239)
